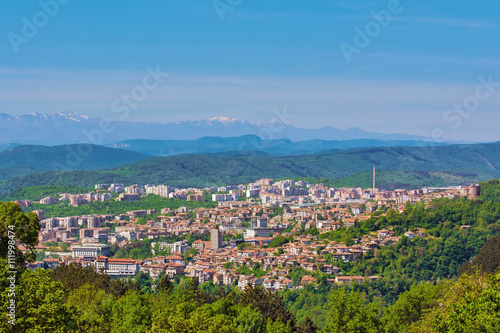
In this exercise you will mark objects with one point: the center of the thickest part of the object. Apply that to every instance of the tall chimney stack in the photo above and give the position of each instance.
(373, 187)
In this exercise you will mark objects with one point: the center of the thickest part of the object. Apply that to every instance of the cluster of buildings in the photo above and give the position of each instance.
(76, 199)
(269, 209)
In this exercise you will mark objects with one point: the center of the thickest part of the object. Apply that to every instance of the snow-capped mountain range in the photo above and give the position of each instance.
(65, 128)
(45, 116)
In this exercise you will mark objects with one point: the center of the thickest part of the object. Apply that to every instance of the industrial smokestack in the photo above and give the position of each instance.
(373, 187)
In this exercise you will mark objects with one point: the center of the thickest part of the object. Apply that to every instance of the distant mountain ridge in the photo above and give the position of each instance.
(407, 167)
(31, 159)
(53, 116)
(68, 128)
(277, 147)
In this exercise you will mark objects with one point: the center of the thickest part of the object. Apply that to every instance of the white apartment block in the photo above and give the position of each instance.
(261, 232)
(224, 197)
(161, 190)
(134, 189)
(117, 267)
(90, 250)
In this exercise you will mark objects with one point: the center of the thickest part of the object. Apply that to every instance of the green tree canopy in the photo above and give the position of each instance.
(349, 314)
(15, 226)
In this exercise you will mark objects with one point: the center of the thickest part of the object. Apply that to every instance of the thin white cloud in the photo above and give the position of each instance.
(435, 21)
(355, 4)
(448, 21)
(377, 105)
(433, 59)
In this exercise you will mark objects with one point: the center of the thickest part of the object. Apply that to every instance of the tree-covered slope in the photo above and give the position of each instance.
(277, 147)
(29, 159)
(398, 167)
(466, 160)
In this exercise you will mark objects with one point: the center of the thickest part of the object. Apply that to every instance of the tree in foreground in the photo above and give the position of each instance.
(472, 304)
(307, 326)
(74, 276)
(412, 305)
(270, 304)
(39, 304)
(487, 260)
(165, 285)
(17, 228)
(348, 314)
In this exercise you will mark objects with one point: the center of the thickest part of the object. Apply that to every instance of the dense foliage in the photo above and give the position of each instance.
(252, 144)
(487, 260)
(30, 158)
(35, 193)
(17, 228)
(74, 299)
(408, 167)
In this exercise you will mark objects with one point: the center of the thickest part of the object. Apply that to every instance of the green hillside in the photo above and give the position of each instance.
(278, 147)
(413, 167)
(28, 159)
(37, 192)
(6, 146)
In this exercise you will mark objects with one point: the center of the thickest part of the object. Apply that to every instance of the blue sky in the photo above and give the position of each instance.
(262, 55)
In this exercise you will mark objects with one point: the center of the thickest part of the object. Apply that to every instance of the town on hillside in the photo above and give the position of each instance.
(249, 234)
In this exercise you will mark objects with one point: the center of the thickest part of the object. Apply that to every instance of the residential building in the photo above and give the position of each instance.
(90, 250)
(215, 238)
(117, 267)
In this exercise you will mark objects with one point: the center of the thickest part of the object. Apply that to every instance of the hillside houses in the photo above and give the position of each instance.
(299, 212)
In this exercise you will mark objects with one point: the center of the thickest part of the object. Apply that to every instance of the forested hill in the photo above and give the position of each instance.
(404, 167)
(29, 159)
(277, 147)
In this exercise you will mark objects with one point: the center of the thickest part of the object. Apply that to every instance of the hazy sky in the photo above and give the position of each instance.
(327, 62)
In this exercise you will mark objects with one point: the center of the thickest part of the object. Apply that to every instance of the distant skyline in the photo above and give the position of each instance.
(403, 77)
